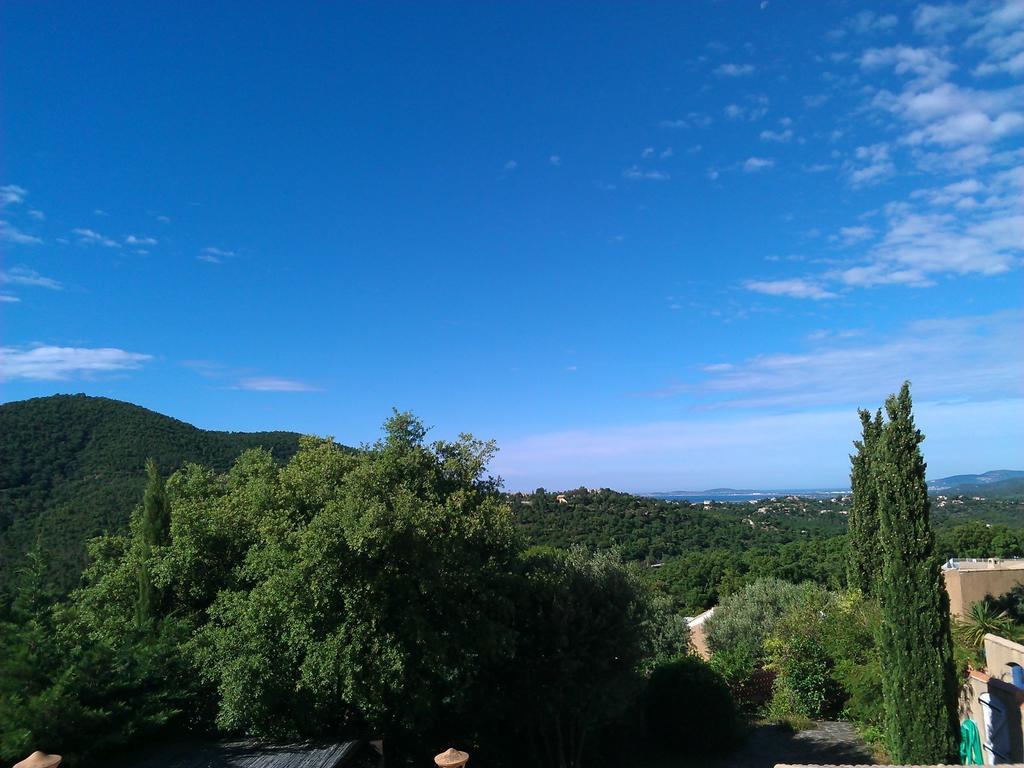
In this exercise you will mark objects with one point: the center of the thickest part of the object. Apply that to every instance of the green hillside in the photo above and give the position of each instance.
(71, 467)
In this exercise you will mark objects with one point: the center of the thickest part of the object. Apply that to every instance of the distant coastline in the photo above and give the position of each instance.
(732, 494)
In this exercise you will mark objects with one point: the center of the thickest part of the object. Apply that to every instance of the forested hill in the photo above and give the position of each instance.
(650, 529)
(72, 467)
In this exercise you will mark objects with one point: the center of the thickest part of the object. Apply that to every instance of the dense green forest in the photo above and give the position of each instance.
(699, 553)
(72, 467)
(303, 588)
(378, 593)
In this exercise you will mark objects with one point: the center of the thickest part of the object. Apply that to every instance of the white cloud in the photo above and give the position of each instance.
(213, 255)
(274, 384)
(754, 164)
(12, 194)
(47, 363)
(780, 137)
(995, 28)
(851, 235)
(796, 288)
(27, 277)
(637, 173)
(37, 215)
(925, 65)
(554, 160)
(735, 70)
(135, 240)
(755, 108)
(872, 164)
(11, 234)
(919, 246)
(7, 298)
(510, 165)
(973, 356)
(865, 22)
(91, 236)
(648, 152)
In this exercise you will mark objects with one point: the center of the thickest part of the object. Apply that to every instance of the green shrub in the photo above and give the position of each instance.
(689, 709)
(743, 621)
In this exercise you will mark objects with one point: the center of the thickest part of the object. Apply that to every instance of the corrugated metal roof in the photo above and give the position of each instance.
(246, 754)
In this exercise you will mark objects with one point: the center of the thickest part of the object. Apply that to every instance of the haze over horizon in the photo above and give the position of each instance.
(648, 247)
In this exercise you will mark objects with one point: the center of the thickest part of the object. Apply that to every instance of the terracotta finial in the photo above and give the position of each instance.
(39, 760)
(451, 758)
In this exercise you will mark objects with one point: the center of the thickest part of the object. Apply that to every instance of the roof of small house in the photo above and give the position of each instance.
(246, 754)
(983, 564)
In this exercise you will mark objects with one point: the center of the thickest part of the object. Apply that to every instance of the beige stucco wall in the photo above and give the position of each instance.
(999, 654)
(967, 586)
(698, 634)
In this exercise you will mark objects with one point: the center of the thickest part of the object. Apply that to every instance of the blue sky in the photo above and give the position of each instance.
(649, 246)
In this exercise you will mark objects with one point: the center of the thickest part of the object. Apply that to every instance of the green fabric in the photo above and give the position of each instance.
(970, 744)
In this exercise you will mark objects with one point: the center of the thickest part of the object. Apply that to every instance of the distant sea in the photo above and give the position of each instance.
(730, 494)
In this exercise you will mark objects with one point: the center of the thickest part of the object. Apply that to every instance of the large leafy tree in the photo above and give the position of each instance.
(370, 593)
(863, 563)
(920, 686)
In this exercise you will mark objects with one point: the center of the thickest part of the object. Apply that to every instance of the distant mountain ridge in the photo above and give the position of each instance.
(72, 467)
(997, 482)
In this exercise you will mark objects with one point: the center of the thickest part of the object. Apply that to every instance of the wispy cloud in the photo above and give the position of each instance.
(973, 356)
(692, 120)
(796, 288)
(851, 235)
(92, 237)
(274, 384)
(780, 137)
(637, 173)
(48, 363)
(140, 241)
(752, 110)
(754, 164)
(27, 277)
(238, 378)
(11, 234)
(871, 165)
(864, 23)
(734, 70)
(213, 255)
(12, 194)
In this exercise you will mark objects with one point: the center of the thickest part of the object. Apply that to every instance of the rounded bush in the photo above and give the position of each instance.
(689, 709)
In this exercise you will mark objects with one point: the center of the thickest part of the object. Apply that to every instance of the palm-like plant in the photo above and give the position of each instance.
(982, 619)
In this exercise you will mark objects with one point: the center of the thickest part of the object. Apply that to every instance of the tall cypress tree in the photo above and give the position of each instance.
(862, 565)
(154, 531)
(919, 681)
